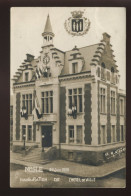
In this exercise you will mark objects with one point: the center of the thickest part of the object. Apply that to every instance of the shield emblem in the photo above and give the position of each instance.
(77, 25)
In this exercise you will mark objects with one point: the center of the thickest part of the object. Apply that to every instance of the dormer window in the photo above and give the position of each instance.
(74, 68)
(26, 77)
(112, 69)
(103, 65)
(113, 78)
(103, 71)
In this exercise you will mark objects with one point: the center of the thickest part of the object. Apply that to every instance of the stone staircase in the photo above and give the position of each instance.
(34, 156)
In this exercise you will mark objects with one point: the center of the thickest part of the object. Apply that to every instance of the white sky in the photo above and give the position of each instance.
(27, 25)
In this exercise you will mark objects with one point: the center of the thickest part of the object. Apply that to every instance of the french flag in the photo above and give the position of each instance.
(37, 108)
(38, 73)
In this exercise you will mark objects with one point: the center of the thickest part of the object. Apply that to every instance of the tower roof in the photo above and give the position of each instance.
(48, 27)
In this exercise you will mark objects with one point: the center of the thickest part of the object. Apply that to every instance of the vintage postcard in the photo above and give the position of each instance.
(68, 97)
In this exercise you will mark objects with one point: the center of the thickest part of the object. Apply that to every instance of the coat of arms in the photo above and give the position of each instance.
(77, 24)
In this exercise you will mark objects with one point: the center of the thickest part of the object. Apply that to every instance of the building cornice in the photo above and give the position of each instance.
(55, 49)
(77, 58)
(122, 94)
(75, 76)
(23, 84)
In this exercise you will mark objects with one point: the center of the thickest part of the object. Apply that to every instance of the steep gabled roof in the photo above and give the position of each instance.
(87, 53)
(48, 27)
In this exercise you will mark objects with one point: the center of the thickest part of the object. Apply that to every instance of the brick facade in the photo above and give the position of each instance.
(108, 115)
(87, 111)
(34, 132)
(98, 112)
(62, 114)
(118, 118)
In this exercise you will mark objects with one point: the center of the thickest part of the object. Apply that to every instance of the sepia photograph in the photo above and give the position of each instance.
(67, 97)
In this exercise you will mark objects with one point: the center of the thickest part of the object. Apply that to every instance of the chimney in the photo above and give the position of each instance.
(106, 37)
(29, 57)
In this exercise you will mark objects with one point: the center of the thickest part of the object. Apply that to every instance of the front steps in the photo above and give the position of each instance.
(34, 156)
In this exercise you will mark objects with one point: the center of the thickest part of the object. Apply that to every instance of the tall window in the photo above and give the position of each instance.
(103, 135)
(74, 67)
(80, 99)
(26, 77)
(23, 131)
(27, 102)
(75, 134)
(121, 107)
(103, 71)
(51, 101)
(108, 75)
(70, 98)
(113, 133)
(47, 102)
(122, 132)
(102, 100)
(113, 75)
(113, 102)
(71, 134)
(79, 134)
(75, 97)
(29, 132)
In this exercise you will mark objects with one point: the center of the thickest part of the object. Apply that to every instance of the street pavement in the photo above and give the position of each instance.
(73, 169)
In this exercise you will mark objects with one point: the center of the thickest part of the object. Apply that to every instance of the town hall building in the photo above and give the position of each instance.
(70, 100)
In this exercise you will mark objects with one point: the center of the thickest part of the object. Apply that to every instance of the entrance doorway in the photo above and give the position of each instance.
(46, 133)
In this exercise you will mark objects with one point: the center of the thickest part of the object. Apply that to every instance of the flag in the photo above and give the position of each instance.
(23, 113)
(40, 71)
(45, 72)
(37, 73)
(34, 114)
(37, 108)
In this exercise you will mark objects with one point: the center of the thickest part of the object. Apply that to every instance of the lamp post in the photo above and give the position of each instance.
(24, 136)
(42, 143)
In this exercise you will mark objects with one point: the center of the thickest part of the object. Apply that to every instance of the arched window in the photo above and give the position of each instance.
(112, 75)
(112, 69)
(103, 71)
(103, 65)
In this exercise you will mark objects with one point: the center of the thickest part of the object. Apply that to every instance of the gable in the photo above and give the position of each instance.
(107, 58)
(87, 54)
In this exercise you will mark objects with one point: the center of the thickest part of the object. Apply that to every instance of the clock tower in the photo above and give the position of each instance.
(48, 33)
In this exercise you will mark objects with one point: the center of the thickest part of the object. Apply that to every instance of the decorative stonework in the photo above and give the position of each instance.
(24, 85)
(74, 77)
(63, 114)
(87, 111)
